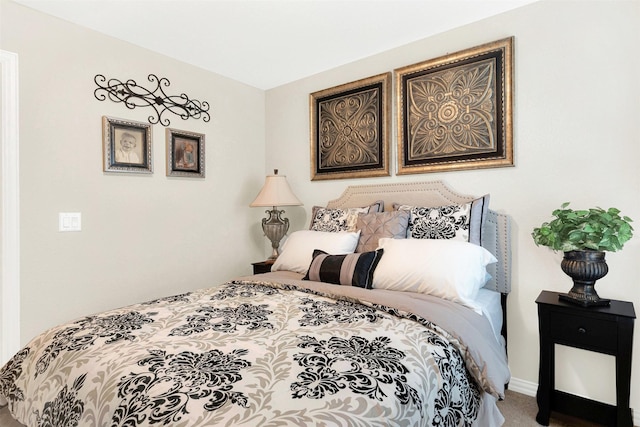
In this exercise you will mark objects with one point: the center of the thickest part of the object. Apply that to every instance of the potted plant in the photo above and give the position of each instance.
(584, 236)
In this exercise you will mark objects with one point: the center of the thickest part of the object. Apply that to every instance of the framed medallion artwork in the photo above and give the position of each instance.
(349, 128)
(126, 146)
(455, 112)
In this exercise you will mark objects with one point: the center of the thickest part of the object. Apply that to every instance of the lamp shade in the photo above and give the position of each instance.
(276, 192)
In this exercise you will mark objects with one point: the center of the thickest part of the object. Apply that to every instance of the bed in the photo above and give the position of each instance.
(359, 323)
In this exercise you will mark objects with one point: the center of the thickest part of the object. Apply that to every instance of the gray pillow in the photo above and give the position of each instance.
(374, 226)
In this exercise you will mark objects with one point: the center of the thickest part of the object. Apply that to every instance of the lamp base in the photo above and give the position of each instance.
(275, 228)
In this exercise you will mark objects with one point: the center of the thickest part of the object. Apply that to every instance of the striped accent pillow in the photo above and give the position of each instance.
(350, 269)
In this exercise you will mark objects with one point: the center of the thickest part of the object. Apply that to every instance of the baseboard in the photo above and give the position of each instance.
(523, 387)
(529, 389)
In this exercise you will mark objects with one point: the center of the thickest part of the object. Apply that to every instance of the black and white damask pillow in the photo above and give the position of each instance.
(458, 222)
(335, 220)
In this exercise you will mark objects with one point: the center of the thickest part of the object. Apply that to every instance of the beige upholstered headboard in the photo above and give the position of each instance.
(496, 230)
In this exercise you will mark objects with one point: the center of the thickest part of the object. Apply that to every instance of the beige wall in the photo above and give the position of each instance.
(576, 127)
(143, 236)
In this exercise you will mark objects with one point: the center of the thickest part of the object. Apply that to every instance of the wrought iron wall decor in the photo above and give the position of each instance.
(455, 112)
(133, 95)
(349, 129)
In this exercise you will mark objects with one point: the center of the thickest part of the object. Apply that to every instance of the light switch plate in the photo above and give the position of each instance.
(70, 221)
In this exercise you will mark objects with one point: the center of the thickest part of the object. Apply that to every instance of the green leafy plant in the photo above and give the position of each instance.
(578, 230)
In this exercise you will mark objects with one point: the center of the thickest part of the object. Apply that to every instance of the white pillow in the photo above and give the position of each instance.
(449, 269)
(297, 250)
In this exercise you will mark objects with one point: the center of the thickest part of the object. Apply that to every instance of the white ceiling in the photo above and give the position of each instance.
(268, 43)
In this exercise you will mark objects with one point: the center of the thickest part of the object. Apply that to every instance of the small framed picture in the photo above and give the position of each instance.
(126, 146)
(185, 153)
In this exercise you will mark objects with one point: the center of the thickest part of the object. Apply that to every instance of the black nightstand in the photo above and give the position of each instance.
(607, 330)
(262, 266)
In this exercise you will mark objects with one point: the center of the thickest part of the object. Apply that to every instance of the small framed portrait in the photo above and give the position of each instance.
(185, 153)
(126, 146)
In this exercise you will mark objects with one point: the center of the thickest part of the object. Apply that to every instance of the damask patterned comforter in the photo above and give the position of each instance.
(263, 353)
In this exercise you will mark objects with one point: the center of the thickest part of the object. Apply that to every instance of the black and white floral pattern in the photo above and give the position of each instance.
(10, 373)
(66, 409)
(318, 313)
(444, 222)
(162, 393)
(174, 298)
(243, 290)
(355, 363)
(85, 332)
(244, 353)
(335, 220)
(459, 398)
(226, 319)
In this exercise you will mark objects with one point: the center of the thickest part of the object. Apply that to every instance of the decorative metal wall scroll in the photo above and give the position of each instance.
(133, 95)
(349, 129)
(454, 112)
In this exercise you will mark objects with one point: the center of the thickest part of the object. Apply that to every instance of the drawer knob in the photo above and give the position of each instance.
(582, 330)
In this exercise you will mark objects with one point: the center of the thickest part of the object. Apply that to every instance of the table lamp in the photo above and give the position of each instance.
(275, 192)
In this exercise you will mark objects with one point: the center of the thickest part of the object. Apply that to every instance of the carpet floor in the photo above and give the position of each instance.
(518, 409)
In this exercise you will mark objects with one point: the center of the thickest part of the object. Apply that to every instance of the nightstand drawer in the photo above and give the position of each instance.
(585, 332)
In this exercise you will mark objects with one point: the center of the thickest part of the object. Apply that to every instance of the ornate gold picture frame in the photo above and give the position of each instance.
(455, 112)
(349, 128)
(126, 146)
(185, 153)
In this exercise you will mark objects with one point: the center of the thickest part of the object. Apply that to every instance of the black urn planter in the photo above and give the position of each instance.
(584, 267)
